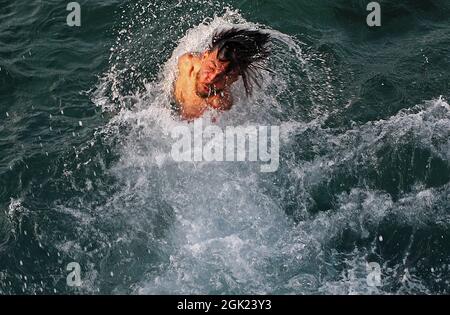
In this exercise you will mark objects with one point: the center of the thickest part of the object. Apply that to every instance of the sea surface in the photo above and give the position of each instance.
(360, 203)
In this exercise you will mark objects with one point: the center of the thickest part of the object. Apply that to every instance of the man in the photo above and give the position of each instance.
(204, 80)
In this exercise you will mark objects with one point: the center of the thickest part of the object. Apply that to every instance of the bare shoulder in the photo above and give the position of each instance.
(186, 61)
(185, 58)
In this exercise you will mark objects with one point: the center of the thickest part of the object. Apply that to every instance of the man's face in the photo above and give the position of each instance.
(212, 77)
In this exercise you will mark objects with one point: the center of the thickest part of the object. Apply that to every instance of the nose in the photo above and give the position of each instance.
(209, 77)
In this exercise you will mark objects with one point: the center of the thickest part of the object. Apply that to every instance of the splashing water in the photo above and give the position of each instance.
(230, 229)
(139, 222)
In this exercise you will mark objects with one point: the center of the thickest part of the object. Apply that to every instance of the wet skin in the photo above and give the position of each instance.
(203, 83)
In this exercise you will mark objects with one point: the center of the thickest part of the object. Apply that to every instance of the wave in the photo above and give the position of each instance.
(139, 222)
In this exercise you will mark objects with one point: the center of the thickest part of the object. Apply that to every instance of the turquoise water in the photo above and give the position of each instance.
(86, 174)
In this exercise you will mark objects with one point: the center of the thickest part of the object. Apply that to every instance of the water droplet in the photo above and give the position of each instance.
(21, 263)
(112, 274)
(80, 123)
(380, 238)
(7, 114)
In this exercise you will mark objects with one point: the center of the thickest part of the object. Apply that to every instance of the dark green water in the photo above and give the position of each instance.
(86, 175)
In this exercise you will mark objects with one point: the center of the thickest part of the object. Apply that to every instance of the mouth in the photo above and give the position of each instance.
(206, 88)
(203, 90)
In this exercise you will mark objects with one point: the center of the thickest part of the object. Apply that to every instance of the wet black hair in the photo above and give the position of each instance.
(246, 50)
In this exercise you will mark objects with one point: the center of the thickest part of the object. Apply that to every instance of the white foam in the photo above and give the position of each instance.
(230, 234)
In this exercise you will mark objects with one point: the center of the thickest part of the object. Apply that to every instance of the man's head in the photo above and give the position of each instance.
(232, 53)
